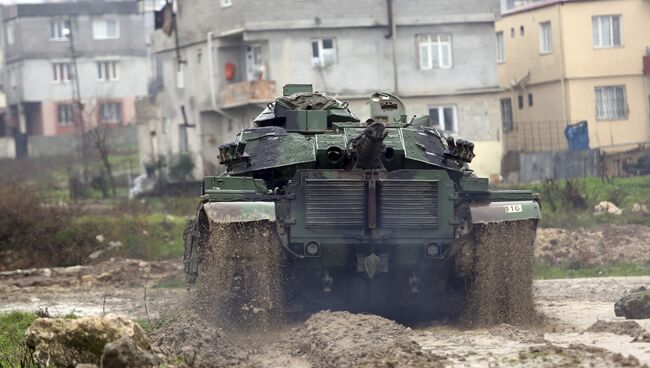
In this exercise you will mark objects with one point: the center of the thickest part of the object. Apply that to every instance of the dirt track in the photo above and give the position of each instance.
(343, 339)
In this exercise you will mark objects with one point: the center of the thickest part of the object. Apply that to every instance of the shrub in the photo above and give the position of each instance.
(34, 233)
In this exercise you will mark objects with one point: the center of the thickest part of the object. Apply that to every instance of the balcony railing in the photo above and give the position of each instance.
(241, 93)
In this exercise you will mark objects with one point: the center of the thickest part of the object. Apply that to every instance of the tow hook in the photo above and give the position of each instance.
(327, 282)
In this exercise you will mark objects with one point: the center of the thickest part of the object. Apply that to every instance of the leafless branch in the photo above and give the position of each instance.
(104, 303)
(146, 309)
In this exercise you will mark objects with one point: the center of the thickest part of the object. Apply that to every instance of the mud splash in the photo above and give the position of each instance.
(502, 288)
(241, 276)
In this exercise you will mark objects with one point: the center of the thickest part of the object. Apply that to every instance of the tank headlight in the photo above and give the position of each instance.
(432, 250)
(312, 249)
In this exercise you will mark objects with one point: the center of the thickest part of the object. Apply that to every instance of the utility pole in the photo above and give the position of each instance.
(77, 107)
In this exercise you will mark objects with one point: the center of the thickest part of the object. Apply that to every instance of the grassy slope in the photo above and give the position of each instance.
(569, 205)
(12, 337)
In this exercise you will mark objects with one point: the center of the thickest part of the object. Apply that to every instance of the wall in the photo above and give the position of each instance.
(541, 166)
(41, 146)
(7, 147)
(522, 53)
(583, 60)
(602, 133)
(38, 85)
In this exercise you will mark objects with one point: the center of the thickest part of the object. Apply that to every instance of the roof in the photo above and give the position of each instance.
(71, 8)
(538, 5)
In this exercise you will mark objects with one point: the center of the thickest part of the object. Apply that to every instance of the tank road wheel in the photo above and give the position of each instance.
(496, 265)
(238, 273)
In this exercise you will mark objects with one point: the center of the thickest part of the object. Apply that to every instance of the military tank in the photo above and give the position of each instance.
(318, 209)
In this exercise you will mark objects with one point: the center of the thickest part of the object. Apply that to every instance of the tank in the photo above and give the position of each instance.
(318, 209)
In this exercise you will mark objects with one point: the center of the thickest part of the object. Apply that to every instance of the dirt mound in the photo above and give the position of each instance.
(630, 328)
(341, 339)
(502, 288)
(187, 337)
(593, 247)
(575, 355)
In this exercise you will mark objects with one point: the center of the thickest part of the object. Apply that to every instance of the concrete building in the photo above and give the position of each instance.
(235, 55)
(108, 51)
(567, 61)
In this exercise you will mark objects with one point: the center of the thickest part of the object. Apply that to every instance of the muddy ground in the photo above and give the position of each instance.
(565, 336)
(576, 326)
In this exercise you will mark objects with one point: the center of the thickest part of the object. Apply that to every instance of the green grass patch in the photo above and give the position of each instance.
(547, 272)
(570, 204)
(13, 351)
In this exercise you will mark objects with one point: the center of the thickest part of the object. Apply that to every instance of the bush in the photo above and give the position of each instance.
(34, 233)
(181, 167)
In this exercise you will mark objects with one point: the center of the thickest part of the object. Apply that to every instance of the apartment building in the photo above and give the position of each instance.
(103, 43)
(567, 61)
(234, 56)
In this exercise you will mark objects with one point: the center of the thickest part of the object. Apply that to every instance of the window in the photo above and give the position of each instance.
(107, 70)
(530, 99)
(444, 117)
(506, 114)
(226, 3)
(512, 33)
(58, 30)
(106, 29)
(606, 31)
(110, 113)
(545, 38)
(520, 102)
(611, 103)
(323, 52)
(500, 50)
(61, 72)
(66, 114)
(9, 28)
(521, 30)
(435, 51)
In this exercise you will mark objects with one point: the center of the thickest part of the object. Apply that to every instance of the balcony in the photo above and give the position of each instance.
(242, 93)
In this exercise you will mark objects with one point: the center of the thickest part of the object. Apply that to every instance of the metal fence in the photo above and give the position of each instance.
(536, 136)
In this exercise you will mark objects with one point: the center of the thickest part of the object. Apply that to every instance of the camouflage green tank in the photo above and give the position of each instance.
(318, 209)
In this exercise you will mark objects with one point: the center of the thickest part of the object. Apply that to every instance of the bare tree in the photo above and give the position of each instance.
(98, 133)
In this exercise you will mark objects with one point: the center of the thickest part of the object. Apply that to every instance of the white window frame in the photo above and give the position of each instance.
(113, 104)
(545, 38)
(107, 70)
(441, 117)
(430, 42)
(100, 29)
(58, 29)
(323, 57)
(501, 54)
(10, 30)
(226, 3)
(61, 72)
(60, 112)
(598, 39)
(604, 110)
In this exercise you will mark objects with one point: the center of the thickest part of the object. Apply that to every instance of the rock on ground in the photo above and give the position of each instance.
(65, 343)
(125, 353)
(635, 305)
